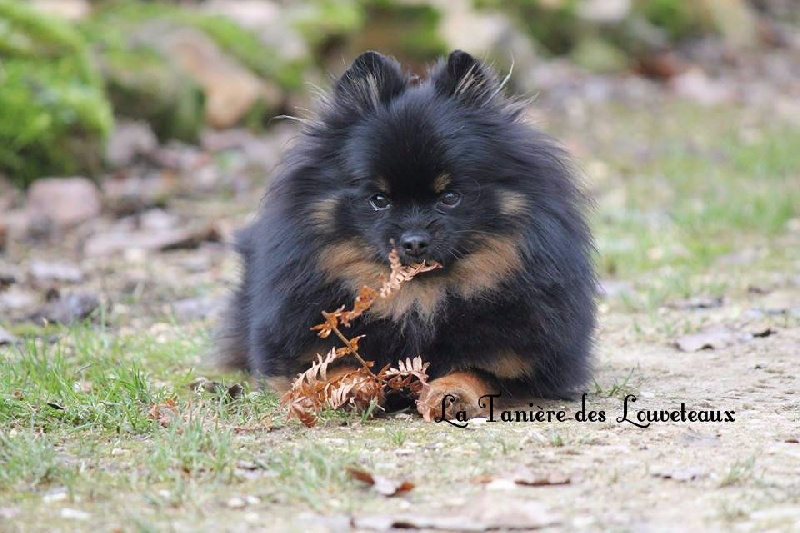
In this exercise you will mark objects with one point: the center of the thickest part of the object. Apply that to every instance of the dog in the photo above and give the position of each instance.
(448, 170)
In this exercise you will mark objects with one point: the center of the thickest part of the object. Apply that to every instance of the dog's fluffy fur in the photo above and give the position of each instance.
(449, 161)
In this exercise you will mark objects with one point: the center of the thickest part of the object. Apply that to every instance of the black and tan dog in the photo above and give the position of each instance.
(448, 170)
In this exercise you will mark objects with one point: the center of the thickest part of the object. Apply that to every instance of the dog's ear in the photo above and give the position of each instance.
(466, 78)
(371, 81)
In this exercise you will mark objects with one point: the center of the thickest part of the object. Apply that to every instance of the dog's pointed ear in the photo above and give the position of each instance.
(371, 81)
(466, 78)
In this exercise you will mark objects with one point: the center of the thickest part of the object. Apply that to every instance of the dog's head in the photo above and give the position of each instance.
(444, 168)
(423, 165)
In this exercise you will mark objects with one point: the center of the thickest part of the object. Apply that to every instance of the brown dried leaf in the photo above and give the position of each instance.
(364, 300)
(540, 479)
(410, 375)
(164, 413)
(331, 322)
(380, 484)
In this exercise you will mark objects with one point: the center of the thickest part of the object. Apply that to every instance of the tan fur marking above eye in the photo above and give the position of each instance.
(382, 184)
(487, 267)
(323, 213)
(346, 260)
(512, 203)
(507, 365)
(421, 295)
(441, 182)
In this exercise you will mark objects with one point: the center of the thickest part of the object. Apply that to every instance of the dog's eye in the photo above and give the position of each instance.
(450, 199)
(379, 202)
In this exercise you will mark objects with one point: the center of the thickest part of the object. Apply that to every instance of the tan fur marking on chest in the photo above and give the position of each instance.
(423, 296)
(487, 267)
(346, 260)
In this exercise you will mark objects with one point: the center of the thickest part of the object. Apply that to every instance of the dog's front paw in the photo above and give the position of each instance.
(454, 396)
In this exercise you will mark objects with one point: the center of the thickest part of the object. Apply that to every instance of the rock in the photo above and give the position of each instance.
(117, 241)
(6, 337)
(231, 90)
(17, 299)
(74, 514)
(60, 272)
(251, 14)
(128, 141)
(734, 20)
(695, 85)
(604, 11)
(158, 220)
(135, 193)
(72, 10)
(64, 201)
(68, 309)
(598, 55)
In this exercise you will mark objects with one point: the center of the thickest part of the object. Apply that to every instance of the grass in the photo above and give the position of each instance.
(695, 192)
(105, 411)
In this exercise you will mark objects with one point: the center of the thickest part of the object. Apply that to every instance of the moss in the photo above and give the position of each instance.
(678, 18)
(121, 17)
(326, 20)
(142, 85)
(54, 117)
(410, 32)
(555, 25)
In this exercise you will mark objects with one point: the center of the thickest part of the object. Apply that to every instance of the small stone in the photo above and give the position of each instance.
(55, 495)
(16, 299)
(9, 513)
(69, 309)
(6, 337)
(71, 10)
(64, 272)
(65, 202)
(502, 484)
(129, 141)
(236, 503)
(74, 514)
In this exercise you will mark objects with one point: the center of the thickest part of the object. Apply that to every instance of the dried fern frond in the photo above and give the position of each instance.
(359, 388)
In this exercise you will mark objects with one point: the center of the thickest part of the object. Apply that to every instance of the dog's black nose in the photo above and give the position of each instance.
(415, 243)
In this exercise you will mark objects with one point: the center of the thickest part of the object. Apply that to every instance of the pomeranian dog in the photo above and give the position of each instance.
(447, 169)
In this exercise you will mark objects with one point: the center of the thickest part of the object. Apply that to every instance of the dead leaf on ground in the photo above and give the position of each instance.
(697, 302)
(530, 478)
(380, 484)
(164, 413)
(174, 239)
(679, 474)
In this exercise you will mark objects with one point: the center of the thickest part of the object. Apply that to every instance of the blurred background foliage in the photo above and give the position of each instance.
(69, 68)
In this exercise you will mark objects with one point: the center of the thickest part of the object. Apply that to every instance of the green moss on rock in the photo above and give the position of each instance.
(122, 17)
(54, 116)
(142, 85)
